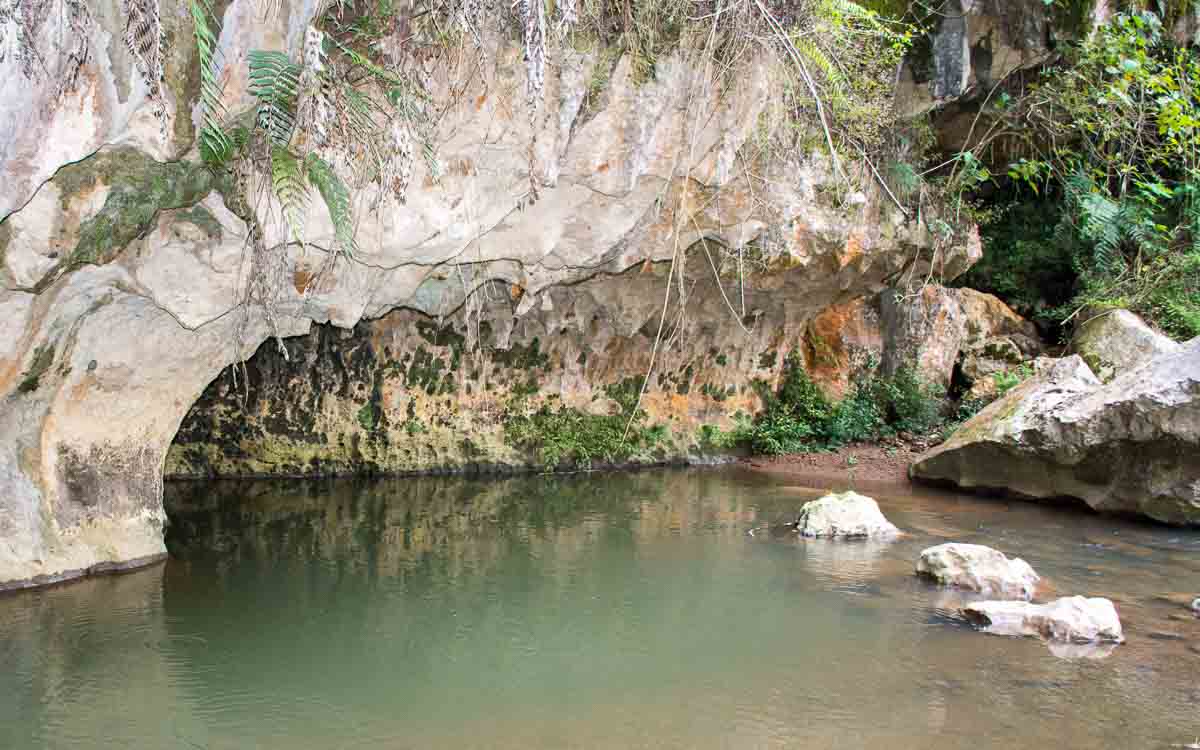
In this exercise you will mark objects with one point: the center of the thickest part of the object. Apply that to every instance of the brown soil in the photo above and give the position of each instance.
(863, 461)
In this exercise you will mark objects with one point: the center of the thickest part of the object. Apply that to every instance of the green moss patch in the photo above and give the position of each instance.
(43, 357)
(139, 187)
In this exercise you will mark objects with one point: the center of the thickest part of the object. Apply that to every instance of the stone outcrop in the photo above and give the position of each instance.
(1116, 341)
(124, 273)
(845, 515)
(1129, 446)
(974, 567)
(842, 340)
(1074, 619)
(937, 329)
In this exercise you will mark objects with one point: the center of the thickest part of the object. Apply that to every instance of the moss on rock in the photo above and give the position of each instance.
(138, 189)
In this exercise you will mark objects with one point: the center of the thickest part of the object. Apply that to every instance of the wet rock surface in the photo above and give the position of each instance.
(974, 567)
(1074, 619)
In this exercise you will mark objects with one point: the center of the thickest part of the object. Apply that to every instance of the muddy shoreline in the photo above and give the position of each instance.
(860, 462)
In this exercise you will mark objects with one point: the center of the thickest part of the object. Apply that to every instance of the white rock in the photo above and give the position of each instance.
(978, 568)
(1078, 651)
(1074, 619)
(1196, 605)
(845, 515)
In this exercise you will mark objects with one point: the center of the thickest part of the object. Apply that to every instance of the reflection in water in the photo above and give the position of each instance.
(605, 611)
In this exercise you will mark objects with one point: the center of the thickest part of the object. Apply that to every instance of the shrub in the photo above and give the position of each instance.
(562, 435)
(799, 417)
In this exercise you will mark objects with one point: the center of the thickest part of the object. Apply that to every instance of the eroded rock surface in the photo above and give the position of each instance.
(1073, 619)
(937, 328)
(1129, 446)
(124, 269)
(974, 567)
(1117, 341)
(846, 515)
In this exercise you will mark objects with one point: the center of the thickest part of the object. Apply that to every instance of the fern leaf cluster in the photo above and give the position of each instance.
(144, 39)
(337, 200)
(274, 82)
(216, 146)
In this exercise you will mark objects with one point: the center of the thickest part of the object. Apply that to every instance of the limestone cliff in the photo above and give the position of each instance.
(125, 272)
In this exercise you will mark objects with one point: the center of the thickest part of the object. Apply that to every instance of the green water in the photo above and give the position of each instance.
(603, 611)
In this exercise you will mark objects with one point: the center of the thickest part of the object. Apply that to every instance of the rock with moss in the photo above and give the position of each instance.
(1114, 341)
(1130, 446)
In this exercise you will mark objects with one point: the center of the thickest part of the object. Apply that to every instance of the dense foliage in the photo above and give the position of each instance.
(799, 417)
(1110, 137)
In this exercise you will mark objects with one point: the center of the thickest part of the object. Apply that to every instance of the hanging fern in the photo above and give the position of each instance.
(291, 188)
(215, 144)
(144, 38)
(274, 81)
(337, 200)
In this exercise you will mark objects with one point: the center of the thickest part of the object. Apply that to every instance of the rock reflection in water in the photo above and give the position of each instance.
(606, 611)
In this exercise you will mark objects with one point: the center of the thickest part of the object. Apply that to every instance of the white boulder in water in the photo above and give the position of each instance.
(1072, 619)
(977, 568)
(844, 515)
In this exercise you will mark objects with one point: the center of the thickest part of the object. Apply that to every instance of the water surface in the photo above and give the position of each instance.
(602, 611)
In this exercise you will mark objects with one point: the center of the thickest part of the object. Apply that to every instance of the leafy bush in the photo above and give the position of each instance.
(798, 417)
(567, 436)
(1027, 260)
(1006, 380)
(1115, 130)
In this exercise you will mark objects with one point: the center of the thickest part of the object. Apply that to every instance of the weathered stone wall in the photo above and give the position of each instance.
(411, 393)
(122, 268)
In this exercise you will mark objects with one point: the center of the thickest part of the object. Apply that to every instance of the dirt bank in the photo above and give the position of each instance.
(869, 462)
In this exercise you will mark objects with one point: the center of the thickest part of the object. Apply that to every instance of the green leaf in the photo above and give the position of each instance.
(291, 188)
(337, 200)
(215, 144)
(274, 80)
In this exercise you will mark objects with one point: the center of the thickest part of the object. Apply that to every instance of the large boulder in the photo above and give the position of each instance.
(1075, 619)
(1115, 341)
(974, 567)
(1130, 446)
(846, 515)
(938, 328)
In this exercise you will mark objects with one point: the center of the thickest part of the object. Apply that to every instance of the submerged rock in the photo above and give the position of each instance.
(846, 515)
(975, 567)
(1074, 619)
(1130, 446)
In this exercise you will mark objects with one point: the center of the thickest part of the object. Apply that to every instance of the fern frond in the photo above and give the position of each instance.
(1103, 227)
(144, 39)
(337, 200)
(215, 144)
(274, 81)
(291, 188)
